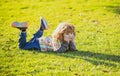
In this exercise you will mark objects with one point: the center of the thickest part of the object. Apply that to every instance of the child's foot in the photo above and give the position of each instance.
(22, 26)
(43, 24)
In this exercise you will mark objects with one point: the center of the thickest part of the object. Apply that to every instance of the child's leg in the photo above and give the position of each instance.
(33, 43)
(38, 34)
(22, 40)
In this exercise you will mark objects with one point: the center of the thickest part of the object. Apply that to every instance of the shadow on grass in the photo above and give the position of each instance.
(114, 9)
(94, 58)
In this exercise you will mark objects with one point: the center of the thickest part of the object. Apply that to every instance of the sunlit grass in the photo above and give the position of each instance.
(97, 38)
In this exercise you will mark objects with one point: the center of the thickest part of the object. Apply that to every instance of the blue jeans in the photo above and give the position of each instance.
(32, 44)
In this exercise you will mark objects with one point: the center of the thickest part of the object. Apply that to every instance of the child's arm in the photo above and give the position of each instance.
(63, 47)
(72, 46)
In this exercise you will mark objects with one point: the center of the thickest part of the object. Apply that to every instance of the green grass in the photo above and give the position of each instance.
(97, 24)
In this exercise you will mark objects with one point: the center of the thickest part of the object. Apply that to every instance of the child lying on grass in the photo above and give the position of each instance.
(61, 40)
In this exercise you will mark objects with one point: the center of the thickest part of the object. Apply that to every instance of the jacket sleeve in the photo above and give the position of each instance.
(63, 47)
(72, 46)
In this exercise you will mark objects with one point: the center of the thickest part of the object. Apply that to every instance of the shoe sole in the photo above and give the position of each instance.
(19, 25)
(44, 22)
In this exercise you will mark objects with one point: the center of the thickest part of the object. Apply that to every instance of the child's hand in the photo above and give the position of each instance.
(71, 36)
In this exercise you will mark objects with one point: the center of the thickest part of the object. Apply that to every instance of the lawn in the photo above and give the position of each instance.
(97, 26)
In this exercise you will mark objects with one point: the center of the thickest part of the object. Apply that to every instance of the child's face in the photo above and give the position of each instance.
(68, 36)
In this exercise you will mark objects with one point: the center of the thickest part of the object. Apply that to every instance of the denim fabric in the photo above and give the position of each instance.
(32, 44)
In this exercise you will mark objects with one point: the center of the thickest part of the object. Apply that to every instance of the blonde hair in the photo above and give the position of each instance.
(63, 28)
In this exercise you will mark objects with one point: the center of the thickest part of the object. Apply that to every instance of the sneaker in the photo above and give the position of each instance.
(43, 24)
(19, 24)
